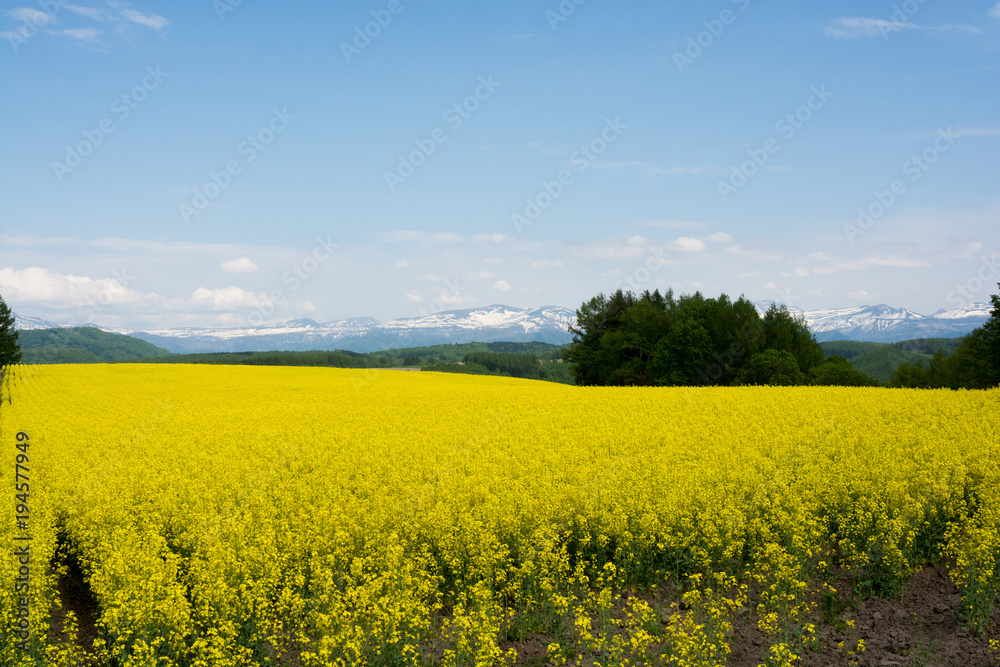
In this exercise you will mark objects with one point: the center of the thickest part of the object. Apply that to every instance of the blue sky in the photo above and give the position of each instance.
(212, 163)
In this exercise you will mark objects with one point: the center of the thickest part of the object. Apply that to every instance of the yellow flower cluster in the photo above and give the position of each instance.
(236, 516)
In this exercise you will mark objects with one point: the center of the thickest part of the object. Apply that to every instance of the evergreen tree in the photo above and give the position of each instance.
(772, 367)
(10, 350)
(784, 331)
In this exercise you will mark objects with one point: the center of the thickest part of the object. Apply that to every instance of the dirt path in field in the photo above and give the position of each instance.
(919, 629)
(77, 598)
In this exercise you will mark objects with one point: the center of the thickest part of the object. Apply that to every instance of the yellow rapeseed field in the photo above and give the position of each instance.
(229, 515)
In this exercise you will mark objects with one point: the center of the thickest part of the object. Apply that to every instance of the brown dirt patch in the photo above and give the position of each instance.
(919, 629)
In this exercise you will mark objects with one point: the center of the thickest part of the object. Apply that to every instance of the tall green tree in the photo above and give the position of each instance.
(976, 363)
(10, 350)
(772, 367)
(784, 331)
(991, 341)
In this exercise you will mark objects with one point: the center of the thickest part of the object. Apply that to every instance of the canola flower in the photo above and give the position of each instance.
(231, 516)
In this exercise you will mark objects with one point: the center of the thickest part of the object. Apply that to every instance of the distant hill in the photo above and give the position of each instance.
(499, 323)
(349, 359)
(82, 345)
(886, 324)
(457, 351)
(880, 360)
(363, 334)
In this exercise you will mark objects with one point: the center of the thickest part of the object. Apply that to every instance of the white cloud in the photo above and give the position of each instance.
(241, 265)
(38, 285)
(401, 264)
(29, 15)
(668, 223)
(605, 249)
(418, 237)
(801, 271)
(414, 296)
(977, 132)
(492, 260)
(484, 274)
(686, 244)
(89, 12)
(750, 253)
(884, 260)
(854, 27)
(551, 263)
(228, 298)
(501, 285)
(452, 296)
(721, 237)
(150, 20)
(650, 169)
(83, 34)
(860, 294)
(995, 11)
(490, 238)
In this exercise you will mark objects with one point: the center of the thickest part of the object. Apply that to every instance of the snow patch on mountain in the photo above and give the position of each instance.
(498, 322)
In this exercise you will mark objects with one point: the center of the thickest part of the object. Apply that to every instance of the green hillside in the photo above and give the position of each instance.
(880, 360)
(333, 359)
(457, 351)
(534, 360)
(83, 345)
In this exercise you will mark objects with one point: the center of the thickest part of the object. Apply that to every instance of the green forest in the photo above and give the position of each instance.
(657, 339)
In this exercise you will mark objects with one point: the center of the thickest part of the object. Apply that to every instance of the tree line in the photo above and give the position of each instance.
(974, 365)
(657, 339)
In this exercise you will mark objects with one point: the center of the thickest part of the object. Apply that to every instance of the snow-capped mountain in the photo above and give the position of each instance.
(885, 324)
(549, 324)
(29, 323)
(364, 334)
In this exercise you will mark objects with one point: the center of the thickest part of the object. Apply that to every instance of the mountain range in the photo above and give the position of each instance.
(498, 322)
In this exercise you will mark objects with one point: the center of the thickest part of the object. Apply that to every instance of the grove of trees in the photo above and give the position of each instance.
(657, 339)
(974, 365)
